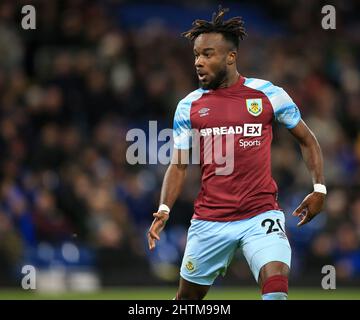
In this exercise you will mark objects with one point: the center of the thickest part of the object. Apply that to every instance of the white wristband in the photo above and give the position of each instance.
(164, 207)
(319, 188)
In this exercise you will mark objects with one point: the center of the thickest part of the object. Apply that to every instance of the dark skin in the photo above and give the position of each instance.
(215, 63)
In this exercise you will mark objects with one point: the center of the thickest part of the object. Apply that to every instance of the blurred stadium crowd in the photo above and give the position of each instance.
(71, 89)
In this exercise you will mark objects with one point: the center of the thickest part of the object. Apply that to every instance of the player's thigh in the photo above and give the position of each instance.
(265, 242)
(209, 250)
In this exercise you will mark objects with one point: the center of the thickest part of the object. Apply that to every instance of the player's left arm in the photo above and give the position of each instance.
(312, 155)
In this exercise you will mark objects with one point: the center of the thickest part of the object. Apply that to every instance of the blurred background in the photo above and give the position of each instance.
(70, 90)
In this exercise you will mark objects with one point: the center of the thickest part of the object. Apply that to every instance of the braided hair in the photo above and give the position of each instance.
(233, 29)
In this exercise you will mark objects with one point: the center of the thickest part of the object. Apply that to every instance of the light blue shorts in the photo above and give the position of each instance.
(211, 245)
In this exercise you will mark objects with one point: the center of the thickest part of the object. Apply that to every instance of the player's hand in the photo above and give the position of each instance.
(310, 207)
(156, 227)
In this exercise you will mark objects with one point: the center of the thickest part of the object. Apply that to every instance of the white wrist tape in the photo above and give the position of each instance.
(319, 188)
(164, 207)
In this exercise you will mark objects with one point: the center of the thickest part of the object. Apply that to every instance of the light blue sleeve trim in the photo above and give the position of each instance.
(182, 124)
(285, 110)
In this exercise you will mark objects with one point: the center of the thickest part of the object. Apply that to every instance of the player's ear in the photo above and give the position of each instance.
(231, 58)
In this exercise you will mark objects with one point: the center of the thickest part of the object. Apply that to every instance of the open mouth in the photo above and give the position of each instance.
(202, 76)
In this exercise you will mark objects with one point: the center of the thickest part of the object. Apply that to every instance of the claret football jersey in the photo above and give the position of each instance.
(232, 130)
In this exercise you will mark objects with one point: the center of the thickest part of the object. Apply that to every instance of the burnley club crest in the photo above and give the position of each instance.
(254, 106)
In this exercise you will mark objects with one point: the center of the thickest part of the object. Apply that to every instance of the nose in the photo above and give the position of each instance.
(199, 63)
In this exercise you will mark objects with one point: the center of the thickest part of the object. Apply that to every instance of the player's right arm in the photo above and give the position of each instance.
(175, 174)
(171, 188)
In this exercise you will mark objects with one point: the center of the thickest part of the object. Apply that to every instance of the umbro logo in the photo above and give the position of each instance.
(204, 112)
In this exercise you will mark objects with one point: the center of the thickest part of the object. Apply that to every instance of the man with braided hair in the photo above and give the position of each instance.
(237, 209)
